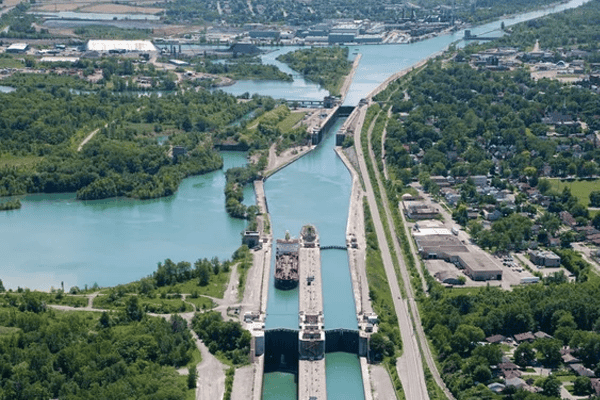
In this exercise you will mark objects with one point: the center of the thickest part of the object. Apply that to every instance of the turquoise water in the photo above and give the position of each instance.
(378, 62)
(316, 190)
(279, 386)
(55, 238)
(313, 190)
(299, 89)
(344, 378)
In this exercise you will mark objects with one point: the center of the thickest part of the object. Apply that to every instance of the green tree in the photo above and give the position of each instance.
(482, 374)
(2, 289)
(551, 386)
(524, 354)
(596, 221)
(595, 198)
(582, 386)
(380, 346)
(192, 377)
(550, 349)
(104, 320)
(461, 214)
(133, 309)
(203, 272)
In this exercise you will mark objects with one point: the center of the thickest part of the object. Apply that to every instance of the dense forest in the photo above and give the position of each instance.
(327, 66)
(124, 158)
(50, 354)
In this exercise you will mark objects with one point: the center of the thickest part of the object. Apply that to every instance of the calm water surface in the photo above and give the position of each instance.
(344, 378)
(55, 238)
(313, 190)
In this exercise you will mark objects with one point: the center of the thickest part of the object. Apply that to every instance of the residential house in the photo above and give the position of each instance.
(492, 216)
(567, 218)
(526, 336)
(495, 339)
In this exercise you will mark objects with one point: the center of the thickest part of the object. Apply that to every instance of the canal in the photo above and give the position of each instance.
(54, 238)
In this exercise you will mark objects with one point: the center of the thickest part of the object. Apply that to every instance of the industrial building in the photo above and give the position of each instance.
(544, 258)
(264, 34)
(440, 243)
(17, 48)
(120, 45)
(420, 211)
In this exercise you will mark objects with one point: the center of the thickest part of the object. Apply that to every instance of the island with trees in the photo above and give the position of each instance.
(327, 66)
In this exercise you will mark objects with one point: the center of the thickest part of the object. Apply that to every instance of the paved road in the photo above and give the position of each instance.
(410, 366)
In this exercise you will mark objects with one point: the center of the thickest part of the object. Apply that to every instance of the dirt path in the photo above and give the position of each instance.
(211, 374)
(89, 137)
(230, 296)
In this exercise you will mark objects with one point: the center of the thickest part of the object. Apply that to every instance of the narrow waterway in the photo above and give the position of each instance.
(316, 190)
(313, 190)
(55, 238)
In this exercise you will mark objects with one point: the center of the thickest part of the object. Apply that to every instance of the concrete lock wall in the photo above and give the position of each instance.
(342, 111)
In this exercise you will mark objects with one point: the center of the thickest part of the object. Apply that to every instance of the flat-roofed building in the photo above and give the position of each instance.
(440, 243)
(17, 48)
(420, 211)
(544, 258)
(479, 267)
(115, 45)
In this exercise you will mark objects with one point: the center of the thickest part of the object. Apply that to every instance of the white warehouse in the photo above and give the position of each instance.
(122, 45)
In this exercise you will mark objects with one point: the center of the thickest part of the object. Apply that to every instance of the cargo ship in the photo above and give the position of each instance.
(286, 263)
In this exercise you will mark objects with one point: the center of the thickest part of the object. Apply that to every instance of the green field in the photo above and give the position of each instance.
(580, 189)
(288, 123)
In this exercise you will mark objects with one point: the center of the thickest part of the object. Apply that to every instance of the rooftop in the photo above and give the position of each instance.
(129, 45)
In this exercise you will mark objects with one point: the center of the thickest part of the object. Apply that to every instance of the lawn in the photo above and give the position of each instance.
(579, 188)
(288, 123)
(275, 114)
(201, 303)
(215, 288)
(8, 61)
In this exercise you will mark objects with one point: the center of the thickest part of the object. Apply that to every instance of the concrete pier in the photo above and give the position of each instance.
(311, 337)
